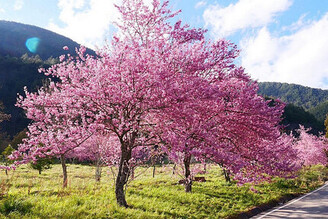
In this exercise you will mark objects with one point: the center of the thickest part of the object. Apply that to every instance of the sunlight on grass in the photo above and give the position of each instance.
(26, 194)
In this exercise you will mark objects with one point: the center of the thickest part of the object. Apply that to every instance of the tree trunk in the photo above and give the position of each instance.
(131, 173)
(154, 170)
(63, 163)
(188, 180)
(153, 162)
(122, 176)
(173, 171)
(226, 175)
(6, 172)
(98, 170)
(40, 171)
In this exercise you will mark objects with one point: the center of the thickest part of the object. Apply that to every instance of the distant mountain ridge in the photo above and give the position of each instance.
(299, 95)
(16, 39)
(314, 101)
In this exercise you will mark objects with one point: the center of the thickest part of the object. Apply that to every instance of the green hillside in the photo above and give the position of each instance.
(15, 73)
(23, 50)
(312, 100)
(299, 95)
(320, 111)
(293, 116)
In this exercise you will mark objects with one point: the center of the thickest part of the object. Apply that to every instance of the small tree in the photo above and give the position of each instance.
(55, 132)
(101, 149)
(42, 164)
(56, 139)
(8, 150)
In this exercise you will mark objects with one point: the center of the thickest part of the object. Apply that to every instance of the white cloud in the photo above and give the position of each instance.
(301, 57)
(86, 22)
(301, 22)
(2, 10)
(244, 14)
(200, 4)
(18, 5)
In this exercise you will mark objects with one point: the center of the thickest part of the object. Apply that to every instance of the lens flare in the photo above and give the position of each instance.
(32, 44)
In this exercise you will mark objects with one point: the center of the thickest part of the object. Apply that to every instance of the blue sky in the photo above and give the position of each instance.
(280, 40)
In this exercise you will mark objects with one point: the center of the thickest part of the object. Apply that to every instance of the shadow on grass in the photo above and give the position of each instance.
(12, 204)
(182, 204)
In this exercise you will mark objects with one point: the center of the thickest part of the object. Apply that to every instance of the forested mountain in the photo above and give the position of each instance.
(312, 100)
(16, 39)
(15, 73)
(293, 116)
(320, 111)
(299, 95)
(23, 50)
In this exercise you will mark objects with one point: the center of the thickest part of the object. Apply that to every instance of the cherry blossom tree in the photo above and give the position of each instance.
(155, 84)
(233, 127)
(311, 149)
(119, 91)
(102, 149)
(58, 126)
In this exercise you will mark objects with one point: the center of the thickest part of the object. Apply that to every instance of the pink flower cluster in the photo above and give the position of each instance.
(311, 149)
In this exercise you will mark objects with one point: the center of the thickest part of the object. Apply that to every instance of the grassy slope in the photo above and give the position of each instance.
(25, 194)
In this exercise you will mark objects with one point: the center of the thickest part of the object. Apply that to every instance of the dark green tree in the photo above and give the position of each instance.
(42, 164)
(8, 150)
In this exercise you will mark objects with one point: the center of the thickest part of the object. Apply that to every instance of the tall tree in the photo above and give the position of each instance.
(58, 126)
(152, 74)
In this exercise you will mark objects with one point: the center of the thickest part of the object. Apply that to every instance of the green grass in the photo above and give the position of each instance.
(26, 194)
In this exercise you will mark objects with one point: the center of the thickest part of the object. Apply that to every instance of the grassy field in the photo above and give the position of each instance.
(26, 194)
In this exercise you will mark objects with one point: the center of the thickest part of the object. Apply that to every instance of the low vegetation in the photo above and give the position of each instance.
(26, 194)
